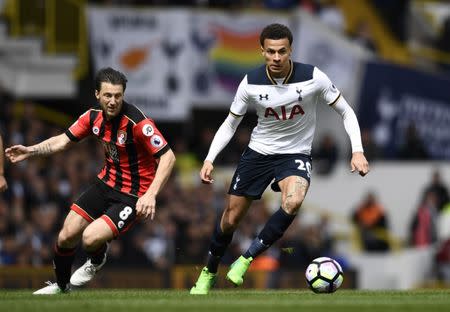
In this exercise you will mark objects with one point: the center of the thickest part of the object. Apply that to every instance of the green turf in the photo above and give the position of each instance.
(227, 300)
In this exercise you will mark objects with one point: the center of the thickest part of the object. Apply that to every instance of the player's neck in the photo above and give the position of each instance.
(282, 74)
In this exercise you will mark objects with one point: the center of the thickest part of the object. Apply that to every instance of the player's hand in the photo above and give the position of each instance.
(3, 184)
(359, 163)
(146, 206)
(206, 172)
(17, 153)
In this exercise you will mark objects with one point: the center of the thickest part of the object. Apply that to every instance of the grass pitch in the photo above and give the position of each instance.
(114, 300)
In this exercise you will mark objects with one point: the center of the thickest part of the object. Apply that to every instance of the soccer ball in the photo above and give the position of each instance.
(324, 275)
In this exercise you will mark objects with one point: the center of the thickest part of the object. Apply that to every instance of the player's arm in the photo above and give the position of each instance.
(165, 166)
(226, 131)
(358, 161)
(52, 145)
(3, 184)
(221, 139)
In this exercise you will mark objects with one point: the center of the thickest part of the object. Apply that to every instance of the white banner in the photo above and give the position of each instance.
(318, 45)
(150, 47)
(226, 47)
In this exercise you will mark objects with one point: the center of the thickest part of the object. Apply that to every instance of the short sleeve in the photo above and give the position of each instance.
(147, 133)
(327, 91)
(80, 128)
(241, 99)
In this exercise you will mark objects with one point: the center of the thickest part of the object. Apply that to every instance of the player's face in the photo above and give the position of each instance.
(277, 54)
(110, 98)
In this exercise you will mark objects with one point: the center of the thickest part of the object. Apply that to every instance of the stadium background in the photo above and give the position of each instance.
(390, 59)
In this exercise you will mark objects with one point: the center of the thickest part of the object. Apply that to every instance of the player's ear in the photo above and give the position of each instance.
(262, 50)
(97, 94)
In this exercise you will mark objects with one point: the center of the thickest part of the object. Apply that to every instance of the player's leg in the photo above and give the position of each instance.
(293, 192)
(253, 174)
(223, 234)
(67, 240)
(292, 179)
(95, 242)
(118, 218)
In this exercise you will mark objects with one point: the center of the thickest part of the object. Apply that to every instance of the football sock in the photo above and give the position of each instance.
(98, 255)
(213, 262)
(272, 231)
(217, 248)
(62, 263)
(256, 248)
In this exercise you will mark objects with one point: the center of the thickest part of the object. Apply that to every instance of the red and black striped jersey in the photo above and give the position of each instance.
(132, 145)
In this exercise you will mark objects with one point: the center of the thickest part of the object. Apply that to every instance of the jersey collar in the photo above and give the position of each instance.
(286, 79)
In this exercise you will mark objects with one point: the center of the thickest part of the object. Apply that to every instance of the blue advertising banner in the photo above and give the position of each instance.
(397, 103)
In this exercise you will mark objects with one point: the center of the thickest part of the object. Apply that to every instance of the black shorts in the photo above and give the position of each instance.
(256, 171)
(99, 200)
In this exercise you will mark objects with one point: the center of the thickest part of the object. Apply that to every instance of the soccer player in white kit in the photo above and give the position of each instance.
(285, 95)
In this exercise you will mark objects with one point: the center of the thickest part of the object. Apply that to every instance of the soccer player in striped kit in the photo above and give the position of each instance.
(138, 162)
(285, 95)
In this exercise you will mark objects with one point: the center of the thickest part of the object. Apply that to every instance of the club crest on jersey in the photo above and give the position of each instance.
(266, 97)
(147, 130)
(121, 137)
(95, 130)
(156, 141)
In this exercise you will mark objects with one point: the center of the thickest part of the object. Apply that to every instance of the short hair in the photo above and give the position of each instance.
(110, 75)
(275, 31)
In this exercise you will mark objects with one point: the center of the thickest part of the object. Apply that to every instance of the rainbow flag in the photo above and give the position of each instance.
(234, 55)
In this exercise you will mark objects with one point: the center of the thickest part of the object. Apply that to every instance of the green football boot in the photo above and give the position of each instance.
(238, 269)
(205, 282)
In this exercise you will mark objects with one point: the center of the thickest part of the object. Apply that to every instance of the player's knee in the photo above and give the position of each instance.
(67, 238)
(91, 239)
(229, 225)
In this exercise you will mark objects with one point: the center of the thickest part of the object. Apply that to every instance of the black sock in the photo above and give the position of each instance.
(217, 248)
(98, 255)
(272, 231)
(213, 262)
(62, 263)
(256, 248)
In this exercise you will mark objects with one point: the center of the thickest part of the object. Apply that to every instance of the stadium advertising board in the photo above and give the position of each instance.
(393, 98)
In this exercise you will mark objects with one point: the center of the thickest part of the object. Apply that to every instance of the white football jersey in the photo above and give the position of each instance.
(286, 111)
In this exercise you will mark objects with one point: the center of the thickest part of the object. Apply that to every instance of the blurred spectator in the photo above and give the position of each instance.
(437, 186)
(325, 155)
(372, 224)
(412, 147)
(423, 226)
